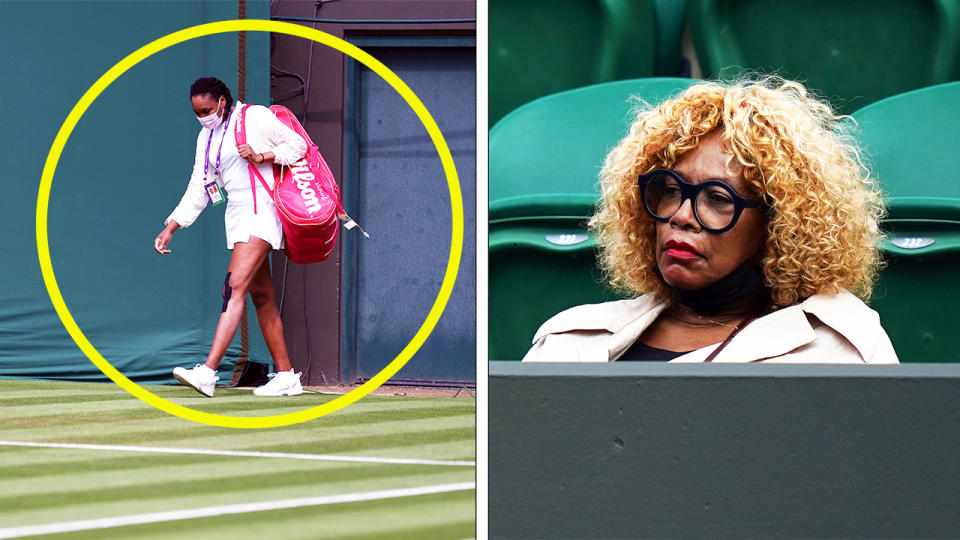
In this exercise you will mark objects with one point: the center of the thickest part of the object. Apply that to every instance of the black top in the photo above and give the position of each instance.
(641, 352)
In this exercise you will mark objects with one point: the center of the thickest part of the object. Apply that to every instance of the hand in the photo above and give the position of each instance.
(162, 240)
(248, 154)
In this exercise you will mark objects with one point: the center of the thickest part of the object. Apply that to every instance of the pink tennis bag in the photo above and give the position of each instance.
(306, 195)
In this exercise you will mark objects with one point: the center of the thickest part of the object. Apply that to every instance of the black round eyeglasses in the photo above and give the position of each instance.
(716, 205)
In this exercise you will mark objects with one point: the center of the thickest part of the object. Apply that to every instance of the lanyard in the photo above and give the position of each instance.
(206, 162)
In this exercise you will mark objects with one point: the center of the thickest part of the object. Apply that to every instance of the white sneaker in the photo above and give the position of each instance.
(199, 377)
(284, 383)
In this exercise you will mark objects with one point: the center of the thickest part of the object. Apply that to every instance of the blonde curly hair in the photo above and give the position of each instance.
(823, 221)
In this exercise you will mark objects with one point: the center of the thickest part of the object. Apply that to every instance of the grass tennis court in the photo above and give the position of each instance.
(385, 467)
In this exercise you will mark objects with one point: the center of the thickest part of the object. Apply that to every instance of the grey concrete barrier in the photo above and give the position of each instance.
(724, 451)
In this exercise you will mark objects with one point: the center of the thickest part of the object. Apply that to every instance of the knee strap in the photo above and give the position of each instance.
(227, 293)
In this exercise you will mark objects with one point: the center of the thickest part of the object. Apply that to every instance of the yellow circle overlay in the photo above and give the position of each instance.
(446, 287)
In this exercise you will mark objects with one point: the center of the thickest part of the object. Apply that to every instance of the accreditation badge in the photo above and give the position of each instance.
(215, 193)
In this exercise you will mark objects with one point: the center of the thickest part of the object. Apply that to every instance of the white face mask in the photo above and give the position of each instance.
(211, 121)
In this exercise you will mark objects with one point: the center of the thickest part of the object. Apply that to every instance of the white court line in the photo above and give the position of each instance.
(211, 511)
(238, 453)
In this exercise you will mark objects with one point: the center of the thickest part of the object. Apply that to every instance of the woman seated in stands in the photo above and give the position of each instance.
(742, 219)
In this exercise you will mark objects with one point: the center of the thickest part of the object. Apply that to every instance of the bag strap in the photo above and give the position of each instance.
(241, 135)
(278, 172)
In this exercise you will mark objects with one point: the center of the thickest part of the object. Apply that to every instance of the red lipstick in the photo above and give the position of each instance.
(680, 250)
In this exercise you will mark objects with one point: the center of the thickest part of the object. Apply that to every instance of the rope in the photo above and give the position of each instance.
(242, 53)
(242, 94)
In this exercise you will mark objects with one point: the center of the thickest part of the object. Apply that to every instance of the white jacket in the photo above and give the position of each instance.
(265, 133)
(836, 329)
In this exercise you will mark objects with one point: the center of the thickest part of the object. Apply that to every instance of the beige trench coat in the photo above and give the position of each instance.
(835, 329)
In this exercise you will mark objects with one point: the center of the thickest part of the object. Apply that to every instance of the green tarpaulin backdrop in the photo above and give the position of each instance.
(123, 170)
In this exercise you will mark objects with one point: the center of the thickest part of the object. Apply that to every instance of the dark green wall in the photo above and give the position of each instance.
(720, 451)
(124, 169)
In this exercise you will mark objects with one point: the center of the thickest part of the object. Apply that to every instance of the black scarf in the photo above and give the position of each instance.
(741, 288)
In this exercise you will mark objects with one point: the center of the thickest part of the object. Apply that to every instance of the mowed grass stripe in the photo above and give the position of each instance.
(404, 442)
(126, 430)
(323, 433)
(189, 433)
(185, 434)
(319, 480)
(449, 515)
(440, 516)
(320, 441)
(352, 445)
(136, 426)
(34, 389)
(35, 470)
(459, 450)
(387, 410)
(122, 422)
(142, 470)
(12, 388)
(17, 398)
(250, 405)
(357, 442)
(30, 389)
(236, 404)
(234, 453)
(63, 406)
(443, 515)
(374, 426)
(182, 396)
(41, 467)
(198, 493)
(40, 462)
(57, 408)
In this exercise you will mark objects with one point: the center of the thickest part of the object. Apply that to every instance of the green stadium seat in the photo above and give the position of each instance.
(545, 158)
(539, 48)
(852, 52)
(910, 143)
(670, 16)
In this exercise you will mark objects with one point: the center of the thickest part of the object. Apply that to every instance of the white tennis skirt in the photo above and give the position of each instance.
(241, 223)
